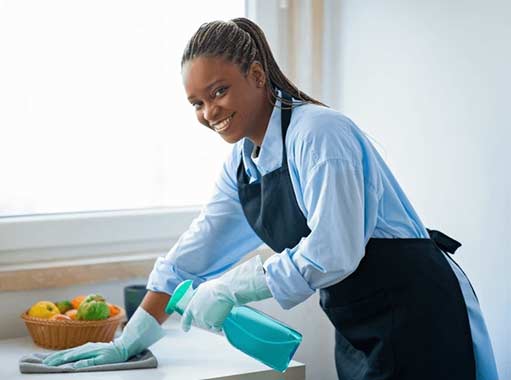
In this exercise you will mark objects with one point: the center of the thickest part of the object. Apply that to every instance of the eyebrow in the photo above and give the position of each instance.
(208, 87)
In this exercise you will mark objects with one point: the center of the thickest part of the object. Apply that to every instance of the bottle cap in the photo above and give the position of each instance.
(180, 298)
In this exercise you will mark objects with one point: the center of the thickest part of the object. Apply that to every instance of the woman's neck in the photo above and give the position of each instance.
(258, 137)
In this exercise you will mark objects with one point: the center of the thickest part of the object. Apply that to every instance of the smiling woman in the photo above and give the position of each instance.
(235, 104)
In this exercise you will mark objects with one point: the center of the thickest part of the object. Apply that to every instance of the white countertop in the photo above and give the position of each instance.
(196, 355)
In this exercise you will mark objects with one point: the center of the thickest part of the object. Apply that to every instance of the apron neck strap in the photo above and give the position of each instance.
(285, 118)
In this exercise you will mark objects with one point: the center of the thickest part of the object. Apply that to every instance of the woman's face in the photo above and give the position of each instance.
(225, 100)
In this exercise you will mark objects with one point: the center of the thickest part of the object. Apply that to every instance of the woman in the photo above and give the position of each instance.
(304, 179)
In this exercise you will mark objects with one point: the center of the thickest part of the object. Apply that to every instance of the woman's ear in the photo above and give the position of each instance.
(257, 74)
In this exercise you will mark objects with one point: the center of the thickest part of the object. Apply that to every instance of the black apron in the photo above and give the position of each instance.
(400, 315)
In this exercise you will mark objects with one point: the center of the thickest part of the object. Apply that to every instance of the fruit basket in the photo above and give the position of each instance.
(70, 323)
(60, 334)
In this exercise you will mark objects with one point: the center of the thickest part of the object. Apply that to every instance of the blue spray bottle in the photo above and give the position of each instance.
(249, 330)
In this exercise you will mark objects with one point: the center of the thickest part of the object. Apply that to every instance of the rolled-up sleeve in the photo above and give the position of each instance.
(216, 240)
(336, 200)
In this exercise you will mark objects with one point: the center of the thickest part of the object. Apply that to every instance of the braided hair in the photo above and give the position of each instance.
(242, 42)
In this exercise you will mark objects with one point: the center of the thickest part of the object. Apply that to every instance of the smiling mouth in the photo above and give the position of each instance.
(223, 125)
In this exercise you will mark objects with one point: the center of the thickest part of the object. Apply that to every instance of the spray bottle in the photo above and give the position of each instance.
(249, 330)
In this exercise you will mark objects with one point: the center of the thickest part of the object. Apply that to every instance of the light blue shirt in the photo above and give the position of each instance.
(343, 188)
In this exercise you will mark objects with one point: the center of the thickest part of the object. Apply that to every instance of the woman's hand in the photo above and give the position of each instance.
(141, 331)
(210, 305)
(213, 300)
(87, 355)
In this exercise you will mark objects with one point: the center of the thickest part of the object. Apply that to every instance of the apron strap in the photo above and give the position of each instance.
(286, 114)
(285, 118)
(444, 242)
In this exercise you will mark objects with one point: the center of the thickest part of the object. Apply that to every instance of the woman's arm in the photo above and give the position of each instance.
(218, 238)
(154, 303)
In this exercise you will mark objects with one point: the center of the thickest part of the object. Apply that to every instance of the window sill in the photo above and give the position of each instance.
(57, 274)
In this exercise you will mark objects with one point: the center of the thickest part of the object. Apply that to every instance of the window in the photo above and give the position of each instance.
(100, 149)
(92, 109)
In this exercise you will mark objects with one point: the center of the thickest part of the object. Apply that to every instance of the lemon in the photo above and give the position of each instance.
(43, 309)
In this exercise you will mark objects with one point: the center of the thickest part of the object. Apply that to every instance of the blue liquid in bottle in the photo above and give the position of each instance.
(249, 330)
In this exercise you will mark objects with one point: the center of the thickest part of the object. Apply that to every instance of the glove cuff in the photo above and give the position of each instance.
(260, 284)
(141, 332)
(251, 282)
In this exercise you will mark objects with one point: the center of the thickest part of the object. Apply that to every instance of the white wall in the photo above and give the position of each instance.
(430, 81)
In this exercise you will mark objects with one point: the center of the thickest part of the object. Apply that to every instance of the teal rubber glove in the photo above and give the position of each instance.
(213, 300)
(141, 332)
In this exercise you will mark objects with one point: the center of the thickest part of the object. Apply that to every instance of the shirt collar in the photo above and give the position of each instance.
(270, 155)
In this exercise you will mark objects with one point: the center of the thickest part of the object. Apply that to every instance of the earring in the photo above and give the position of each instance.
(260, 84)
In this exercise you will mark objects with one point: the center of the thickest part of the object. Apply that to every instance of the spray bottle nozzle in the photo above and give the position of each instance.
(180, 298)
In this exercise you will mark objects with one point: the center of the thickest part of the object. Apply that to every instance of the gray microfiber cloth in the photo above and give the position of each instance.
(33, 363)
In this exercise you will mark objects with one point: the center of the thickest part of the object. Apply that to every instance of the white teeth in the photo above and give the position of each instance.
(219, 127)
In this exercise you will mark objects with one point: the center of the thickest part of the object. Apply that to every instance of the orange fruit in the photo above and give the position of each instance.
(72, 314)
(114, 310)
(77, 301)
(60, 317)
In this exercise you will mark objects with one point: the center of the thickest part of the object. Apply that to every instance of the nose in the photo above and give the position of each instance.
(210, 112)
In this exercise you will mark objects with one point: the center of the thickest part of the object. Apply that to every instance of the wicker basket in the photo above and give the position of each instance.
(61, 334)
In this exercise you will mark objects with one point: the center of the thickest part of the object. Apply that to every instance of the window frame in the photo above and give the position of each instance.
(39, 239)
(46, 240)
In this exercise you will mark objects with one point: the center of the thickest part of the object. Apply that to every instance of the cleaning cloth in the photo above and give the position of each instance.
(32, 363)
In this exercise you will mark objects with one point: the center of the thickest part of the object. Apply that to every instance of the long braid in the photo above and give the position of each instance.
(242, 42)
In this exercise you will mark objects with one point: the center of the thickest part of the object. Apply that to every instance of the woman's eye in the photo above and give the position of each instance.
(196, 105)
(220, 91)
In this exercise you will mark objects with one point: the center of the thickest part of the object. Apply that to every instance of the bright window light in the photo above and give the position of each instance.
(93, 114)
